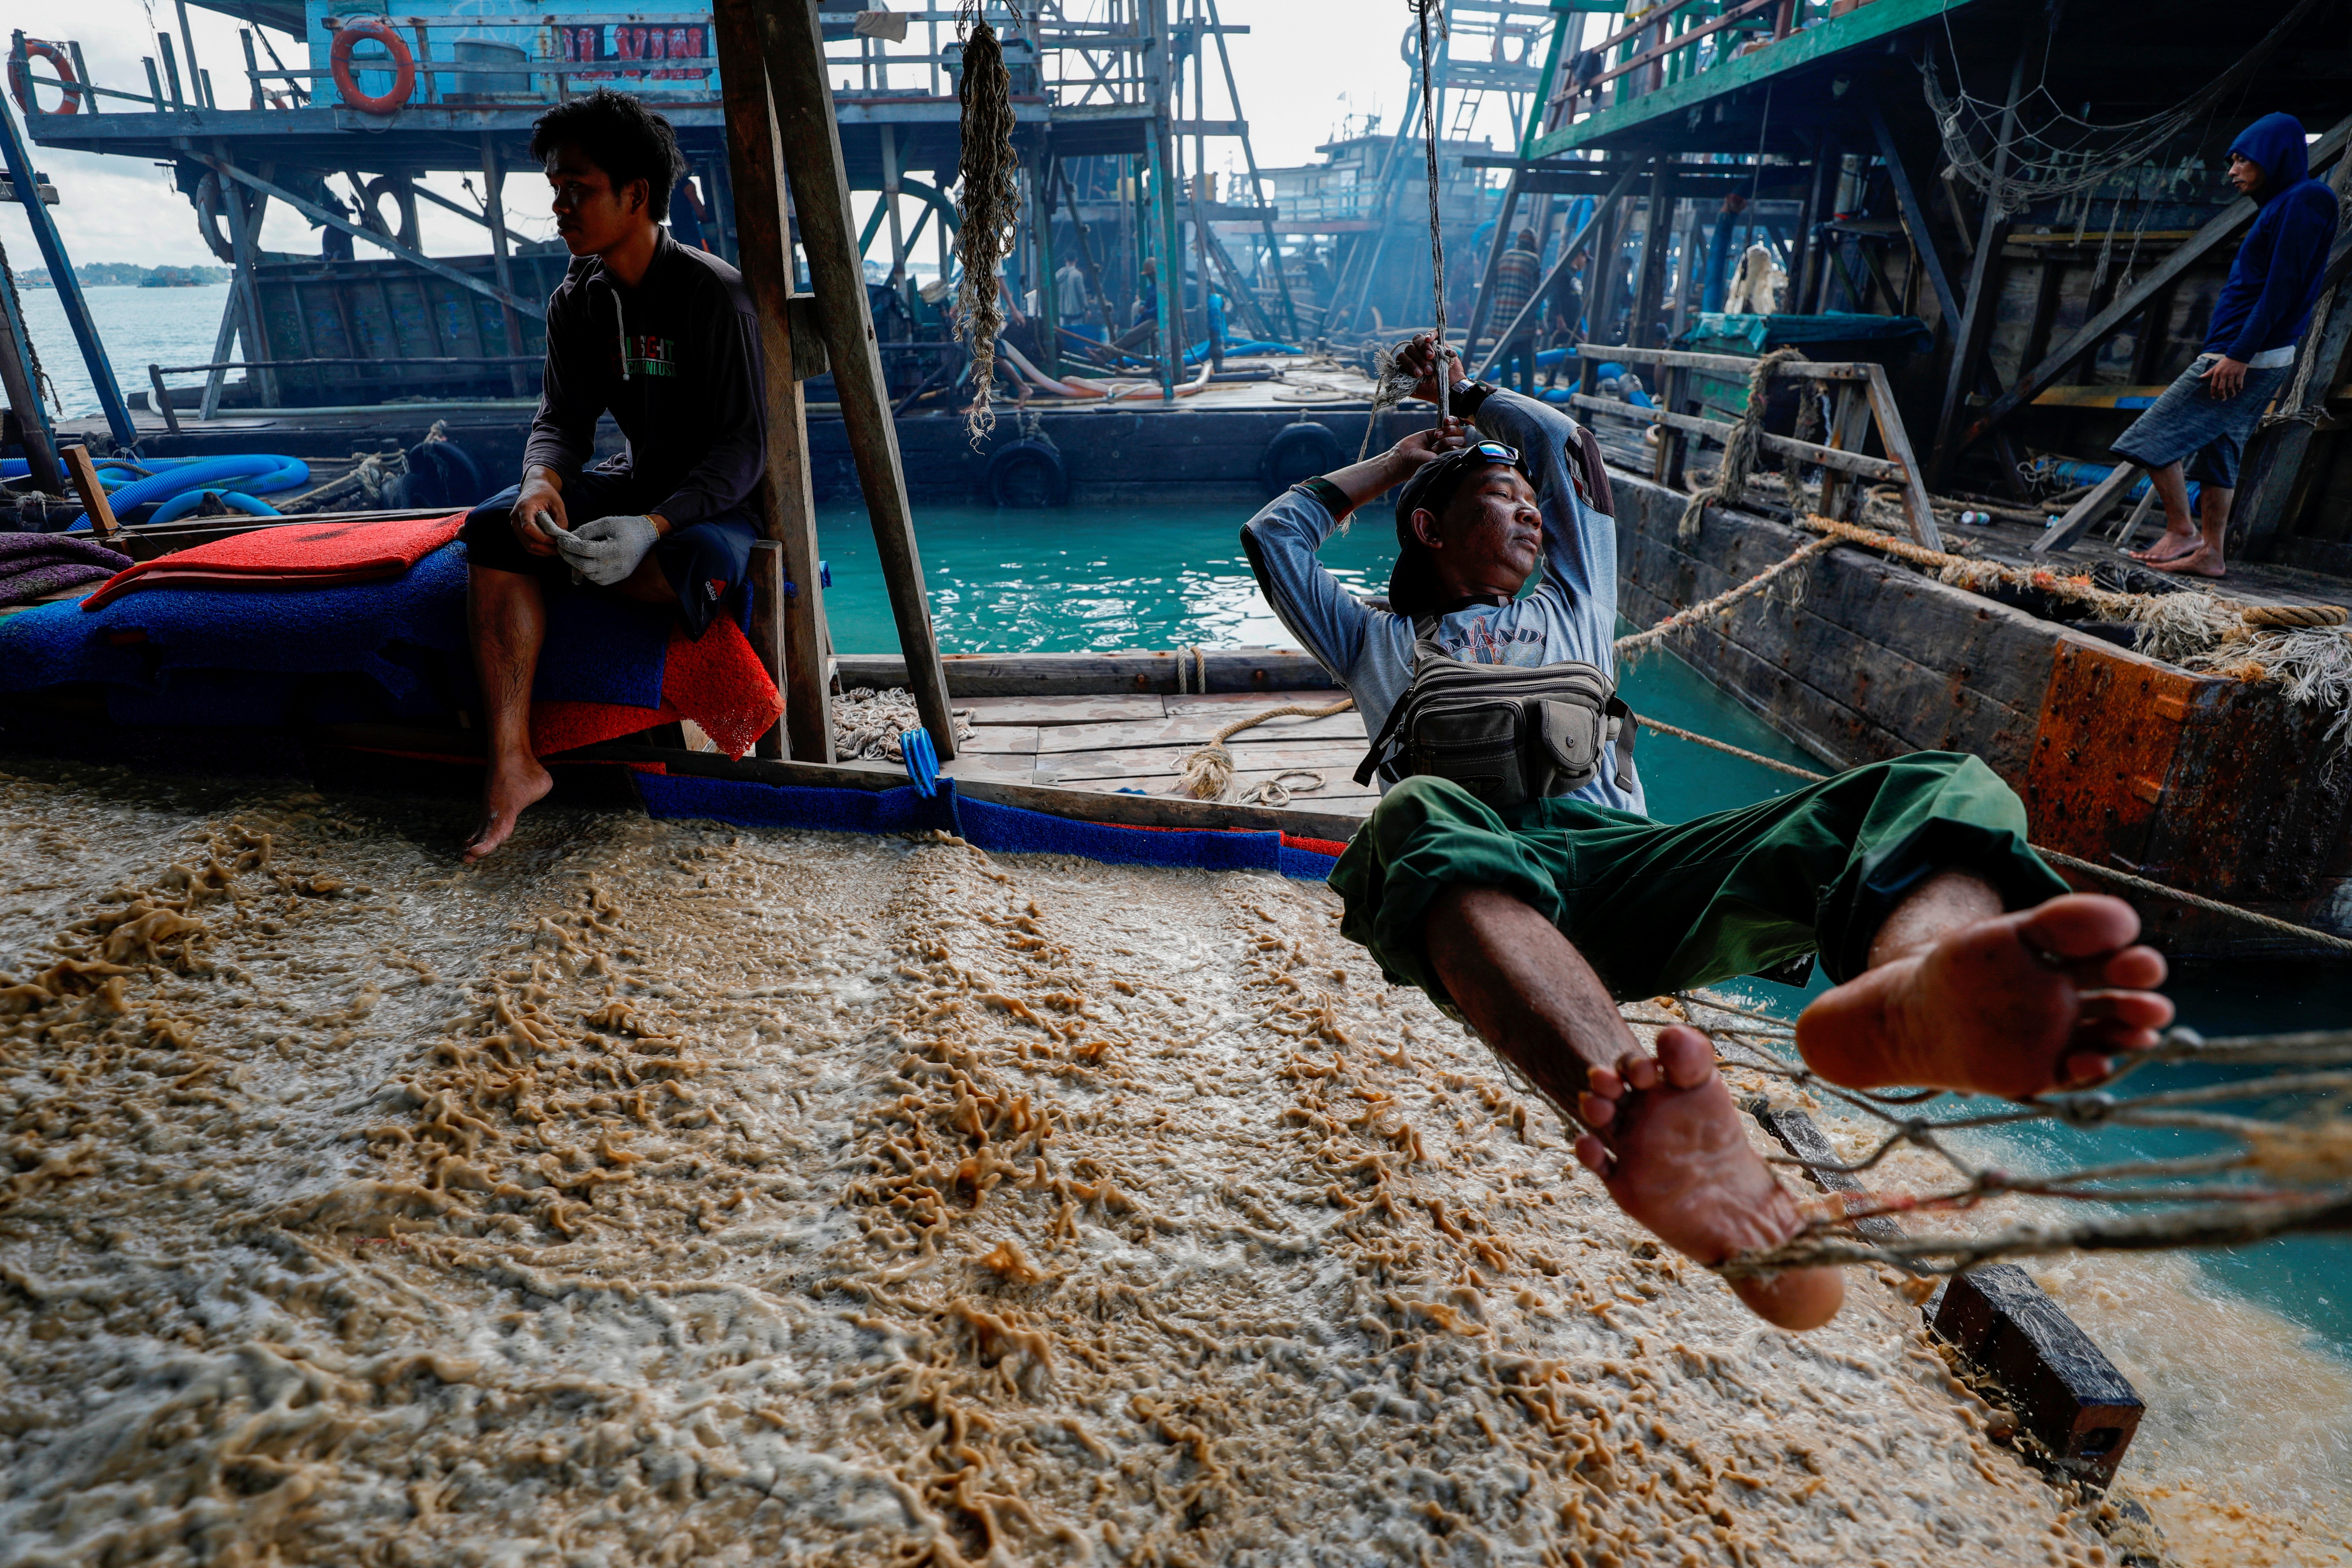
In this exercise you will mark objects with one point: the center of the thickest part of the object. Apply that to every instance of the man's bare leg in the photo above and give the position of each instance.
(509, 616)
(2205, 560)
(1663, 1135)
(1961, 997)
(2179, 536)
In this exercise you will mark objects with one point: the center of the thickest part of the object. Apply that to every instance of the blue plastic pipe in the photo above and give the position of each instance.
(267, 473)
(187, 501)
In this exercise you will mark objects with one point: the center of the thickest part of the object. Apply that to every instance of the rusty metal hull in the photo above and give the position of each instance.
(2215, 785)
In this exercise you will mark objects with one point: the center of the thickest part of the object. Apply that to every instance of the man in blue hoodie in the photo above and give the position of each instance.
(2263, 309)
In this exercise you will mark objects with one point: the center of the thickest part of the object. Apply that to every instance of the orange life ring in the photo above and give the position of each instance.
(403, 65)
(20, 78)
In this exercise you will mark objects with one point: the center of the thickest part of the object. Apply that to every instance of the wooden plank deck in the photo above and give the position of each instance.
(1136, 743)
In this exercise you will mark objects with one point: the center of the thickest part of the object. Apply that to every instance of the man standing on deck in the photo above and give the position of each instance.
(1517, 272)
(2249, 342)
(663, 337)
(1962, 960)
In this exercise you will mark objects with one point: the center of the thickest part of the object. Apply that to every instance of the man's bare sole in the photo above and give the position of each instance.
(505, 797)
(1672, 1150)
(2015, 1005)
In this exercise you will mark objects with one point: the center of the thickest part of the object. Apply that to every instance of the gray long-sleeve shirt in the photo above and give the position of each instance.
(1572, 614)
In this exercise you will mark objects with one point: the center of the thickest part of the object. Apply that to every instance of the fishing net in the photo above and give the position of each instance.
(2053, 152)
(989, 204)
(2260, 1122)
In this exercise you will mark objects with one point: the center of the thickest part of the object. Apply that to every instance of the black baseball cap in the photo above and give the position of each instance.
(1412, 582)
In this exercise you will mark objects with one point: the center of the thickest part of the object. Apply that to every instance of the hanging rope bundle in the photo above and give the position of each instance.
(2278, 1172)
(988, 202)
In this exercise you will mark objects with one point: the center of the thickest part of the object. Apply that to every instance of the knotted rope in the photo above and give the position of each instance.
(1740, 447)
(1208, 773)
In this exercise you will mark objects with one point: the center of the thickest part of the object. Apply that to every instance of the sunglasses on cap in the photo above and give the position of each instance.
(1495, 452)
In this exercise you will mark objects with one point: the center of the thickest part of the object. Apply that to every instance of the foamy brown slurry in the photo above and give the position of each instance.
(665, 1193)
(2243, 1456)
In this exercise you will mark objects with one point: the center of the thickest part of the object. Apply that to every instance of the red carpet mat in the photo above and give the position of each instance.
(292, 555)
(719, 683)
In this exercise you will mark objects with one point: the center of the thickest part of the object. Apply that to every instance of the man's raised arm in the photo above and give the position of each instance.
(1282, 539)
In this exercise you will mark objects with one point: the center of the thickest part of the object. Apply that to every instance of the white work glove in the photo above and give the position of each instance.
(608, 549)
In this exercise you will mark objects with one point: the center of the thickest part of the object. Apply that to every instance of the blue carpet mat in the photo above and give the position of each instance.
(382, 650)
(1004, 829)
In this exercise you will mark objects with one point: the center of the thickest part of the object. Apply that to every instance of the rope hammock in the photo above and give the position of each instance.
(2053, 152)
(2272, 1176)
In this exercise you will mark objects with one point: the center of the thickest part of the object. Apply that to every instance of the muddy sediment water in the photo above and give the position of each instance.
(668, 1193)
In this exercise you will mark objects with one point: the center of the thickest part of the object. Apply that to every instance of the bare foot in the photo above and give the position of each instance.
(2202, 562)
(1670, 1147)
(2168, 545)
(2015, 1005)
(506, 794)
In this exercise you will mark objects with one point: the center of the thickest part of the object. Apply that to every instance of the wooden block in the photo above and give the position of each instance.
(2069, 1394)
(102, 525)
(1796, 1132)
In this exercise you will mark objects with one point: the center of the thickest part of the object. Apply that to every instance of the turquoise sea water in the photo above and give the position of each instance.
(1100, 578)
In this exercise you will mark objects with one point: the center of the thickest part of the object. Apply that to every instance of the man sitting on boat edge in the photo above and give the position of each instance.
(1962, 960)
(664, 337)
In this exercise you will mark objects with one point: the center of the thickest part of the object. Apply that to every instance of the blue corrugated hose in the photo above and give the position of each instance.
(922, 761)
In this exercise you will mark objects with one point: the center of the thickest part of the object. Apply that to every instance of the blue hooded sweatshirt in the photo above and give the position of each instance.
(2266, 303)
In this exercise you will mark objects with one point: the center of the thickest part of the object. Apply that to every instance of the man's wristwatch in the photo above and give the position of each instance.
(1463, 398)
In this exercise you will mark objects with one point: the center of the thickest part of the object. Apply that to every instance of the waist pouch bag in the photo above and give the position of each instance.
(1508, 733)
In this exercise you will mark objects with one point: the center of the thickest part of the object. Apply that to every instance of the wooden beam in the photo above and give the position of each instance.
(102, 526)
(1975, 328)
(1650, 271)
(810, 138)
(2088, 510)
(320, 214)
(1855, 463)
(1559, 269)
(2088, 336)
(23, 398)
(787, 498)
(1892, 436)
(494, 213)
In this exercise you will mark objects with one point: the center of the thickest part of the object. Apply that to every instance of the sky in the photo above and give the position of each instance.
(1306, 68)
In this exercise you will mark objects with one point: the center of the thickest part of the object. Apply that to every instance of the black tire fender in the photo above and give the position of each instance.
(1299, 451)
(1027, 473)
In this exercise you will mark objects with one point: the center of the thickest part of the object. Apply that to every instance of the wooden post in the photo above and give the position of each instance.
(1897, 442)
(163, 398)
(787, 499)
(102, 526)
(223, 344)
(1168, 266)
(1651, 273)
(494, 209)
(810, 141)
(1842, 493)
(1975, 328)
(768, 630)
(242, 240)
(24, 397)
(1803, 259)
(1049, 304)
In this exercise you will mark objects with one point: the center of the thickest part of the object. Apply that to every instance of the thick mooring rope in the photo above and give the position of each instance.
(989, 204)
(1420, 10)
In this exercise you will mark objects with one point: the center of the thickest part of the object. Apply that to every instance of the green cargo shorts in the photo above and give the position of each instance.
(1655, 908)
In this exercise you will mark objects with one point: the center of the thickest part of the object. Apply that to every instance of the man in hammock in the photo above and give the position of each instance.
(1961, 961)
(664, 337)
